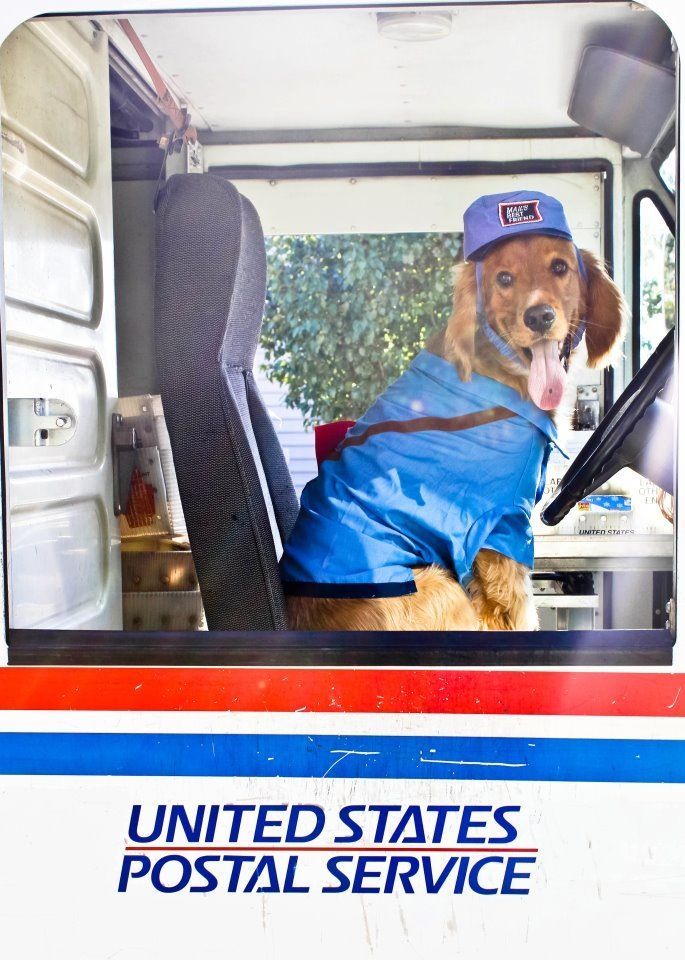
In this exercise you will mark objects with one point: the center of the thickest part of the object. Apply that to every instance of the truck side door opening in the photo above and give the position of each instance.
(359, 182)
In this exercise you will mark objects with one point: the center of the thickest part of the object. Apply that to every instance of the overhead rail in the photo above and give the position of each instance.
(183, 131)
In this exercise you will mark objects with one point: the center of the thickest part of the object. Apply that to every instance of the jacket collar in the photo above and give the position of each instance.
(488, 391)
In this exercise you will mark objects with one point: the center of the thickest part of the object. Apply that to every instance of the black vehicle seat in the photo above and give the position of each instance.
(236, 491)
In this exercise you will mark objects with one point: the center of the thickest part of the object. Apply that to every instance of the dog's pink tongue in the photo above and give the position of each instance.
(547, 376)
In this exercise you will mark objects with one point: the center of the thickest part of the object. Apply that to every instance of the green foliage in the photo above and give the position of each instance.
(651, 298)
(345, 314)
(669, 281)
(658, 293)
(657, 271)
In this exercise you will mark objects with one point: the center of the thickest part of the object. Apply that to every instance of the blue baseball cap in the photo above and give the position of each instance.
(498, 216)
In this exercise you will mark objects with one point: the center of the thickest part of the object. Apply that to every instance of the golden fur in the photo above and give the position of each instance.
(439, 604)
(500, 595)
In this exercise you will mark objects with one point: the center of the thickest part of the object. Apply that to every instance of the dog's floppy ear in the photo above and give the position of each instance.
(605, 311)
(461, 326)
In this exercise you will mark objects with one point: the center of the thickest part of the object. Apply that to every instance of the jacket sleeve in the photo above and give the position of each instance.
(512, 536)
(509, 534)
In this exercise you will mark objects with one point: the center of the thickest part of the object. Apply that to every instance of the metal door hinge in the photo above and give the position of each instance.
(125, 442)
(194, 157)
(587, 407)
(130, 436)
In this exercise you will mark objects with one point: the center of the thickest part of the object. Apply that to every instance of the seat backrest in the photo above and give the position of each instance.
(237, 495)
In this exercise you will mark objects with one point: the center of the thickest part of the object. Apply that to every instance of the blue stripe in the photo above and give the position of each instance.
(376, 757)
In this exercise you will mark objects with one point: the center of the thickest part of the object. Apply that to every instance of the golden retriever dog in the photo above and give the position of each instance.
(533, 291)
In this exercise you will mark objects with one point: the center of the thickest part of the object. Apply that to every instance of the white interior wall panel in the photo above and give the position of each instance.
(413, 203)
(59, 314)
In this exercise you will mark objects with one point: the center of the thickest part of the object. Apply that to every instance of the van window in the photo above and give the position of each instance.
(346, 313)
(655, 261)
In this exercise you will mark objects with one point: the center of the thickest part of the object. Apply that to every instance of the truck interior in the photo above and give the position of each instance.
(223, 228)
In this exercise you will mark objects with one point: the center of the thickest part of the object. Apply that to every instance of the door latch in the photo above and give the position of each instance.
(39, 422)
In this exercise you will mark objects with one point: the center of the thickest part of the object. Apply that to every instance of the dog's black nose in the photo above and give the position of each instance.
(540, 317)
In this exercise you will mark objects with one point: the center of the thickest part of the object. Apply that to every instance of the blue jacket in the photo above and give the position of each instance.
(402, 500)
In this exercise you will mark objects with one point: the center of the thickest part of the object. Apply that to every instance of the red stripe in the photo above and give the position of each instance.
(307, 849)
(343, 691)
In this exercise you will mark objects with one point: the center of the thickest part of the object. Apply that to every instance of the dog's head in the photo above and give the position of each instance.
(534, 296)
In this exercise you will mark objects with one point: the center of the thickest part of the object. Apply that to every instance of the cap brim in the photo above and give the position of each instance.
(481, 252)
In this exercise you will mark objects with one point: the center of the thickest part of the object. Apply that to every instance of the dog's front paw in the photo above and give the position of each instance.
(499, 619)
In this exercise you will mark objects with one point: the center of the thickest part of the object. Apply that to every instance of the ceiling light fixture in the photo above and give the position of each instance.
(413, 26)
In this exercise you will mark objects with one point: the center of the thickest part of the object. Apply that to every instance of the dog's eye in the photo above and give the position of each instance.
(504, 279)
(559, 267)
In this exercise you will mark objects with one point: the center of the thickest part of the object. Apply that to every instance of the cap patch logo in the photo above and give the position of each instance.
(525, 211)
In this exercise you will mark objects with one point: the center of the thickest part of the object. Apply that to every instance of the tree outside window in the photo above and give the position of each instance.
(657, 278)
(345, 314)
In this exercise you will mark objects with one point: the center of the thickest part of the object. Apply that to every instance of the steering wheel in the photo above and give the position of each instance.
(636, 432)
